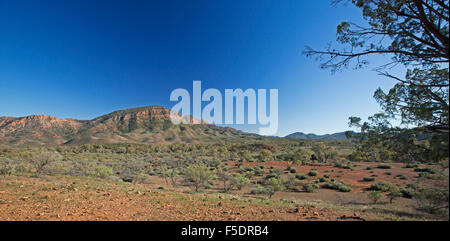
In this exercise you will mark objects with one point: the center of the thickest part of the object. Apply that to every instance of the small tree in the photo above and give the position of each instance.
(173, 174)
(302, 156)
(225, 178)
(6, 168)
(164, 173)
(393, 194)
(198, 175)
(239, 181)
(266, 155)
(43, 160)
(274, 185)
(375, 196)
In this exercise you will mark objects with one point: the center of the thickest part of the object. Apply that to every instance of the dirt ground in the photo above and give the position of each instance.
(84, 198)
(69, 198)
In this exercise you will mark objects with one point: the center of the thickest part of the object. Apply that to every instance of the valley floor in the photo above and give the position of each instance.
(83, 198)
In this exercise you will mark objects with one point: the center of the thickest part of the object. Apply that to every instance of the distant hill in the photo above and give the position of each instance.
(150, 124)
(303, 136)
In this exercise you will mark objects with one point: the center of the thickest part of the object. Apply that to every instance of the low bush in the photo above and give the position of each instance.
(309, 187)
(323, 179)
(402, 177)
(381, 186)
(428, 170)
(102, 171)
(369, 179)
(384, 166)
(339, 186)
(301, 177)
(411, 165)
(312, 173)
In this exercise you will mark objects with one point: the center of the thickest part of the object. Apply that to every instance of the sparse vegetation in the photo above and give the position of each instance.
(339, 186)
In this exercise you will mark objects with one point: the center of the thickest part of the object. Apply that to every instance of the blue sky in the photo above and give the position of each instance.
(82, 59)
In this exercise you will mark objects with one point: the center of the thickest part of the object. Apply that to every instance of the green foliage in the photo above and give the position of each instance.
(309, 187)
(312, 173)
(277, 171)
(102, 171)
(339, 186)
(323, 179)
(375, 196)
(427, 170)
(368, 179)
(393, 194)
(301, 177)
(323, 152)
(6, 167)
(384, 166)
(291, 183)
(429, 199)
(341, 164)
(432, 200)
(142, 178)
(411, 165)
(198, 175)
(415, 35)
(382, 186)
(262, 190)
(274, 185)
(239, 181)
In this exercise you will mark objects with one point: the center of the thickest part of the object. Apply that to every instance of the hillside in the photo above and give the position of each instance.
(150, 124)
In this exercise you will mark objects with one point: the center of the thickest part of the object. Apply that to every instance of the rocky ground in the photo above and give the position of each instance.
(70, 198)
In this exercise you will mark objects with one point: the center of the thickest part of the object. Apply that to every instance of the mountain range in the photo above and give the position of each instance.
(149, 124)
(303, 136)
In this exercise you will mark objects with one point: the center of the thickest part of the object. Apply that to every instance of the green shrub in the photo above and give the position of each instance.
(384, 166)
(301, 177)
(259, 190)
(274, 185)
(394, 194)
(339, 164)
(142, 178)
(198, 175)
(427, 170)
(409, 191)
(323, 179)
(339, 186)
(382, 186)
(268, 176)
(239, 181)
(258, 171)
(369, 179)
(309, 187)
(312, 173)
(7, 168)
(102, 171)
(402, 177)
(411, 165)
(375, 196)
